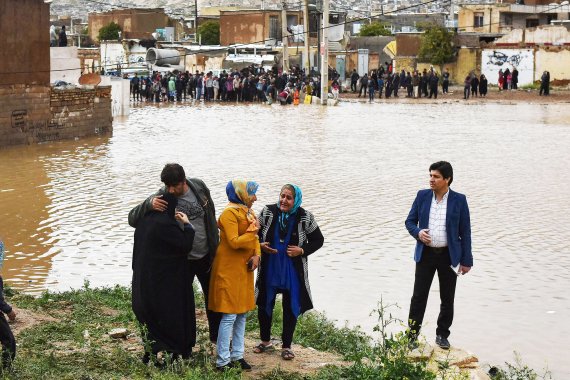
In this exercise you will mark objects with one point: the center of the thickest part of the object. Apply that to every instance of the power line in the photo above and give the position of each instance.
(238, 46)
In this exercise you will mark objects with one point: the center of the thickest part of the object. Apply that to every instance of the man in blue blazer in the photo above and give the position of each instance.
(439, 221)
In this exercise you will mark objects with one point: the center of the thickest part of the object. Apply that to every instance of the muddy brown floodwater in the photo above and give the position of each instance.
(63, 206)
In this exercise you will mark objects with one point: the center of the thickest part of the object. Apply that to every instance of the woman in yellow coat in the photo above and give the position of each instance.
(231, 281)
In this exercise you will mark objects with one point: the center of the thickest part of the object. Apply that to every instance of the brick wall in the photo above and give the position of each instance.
(32, 114)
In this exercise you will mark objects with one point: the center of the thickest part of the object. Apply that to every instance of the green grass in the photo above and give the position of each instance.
(75, 343)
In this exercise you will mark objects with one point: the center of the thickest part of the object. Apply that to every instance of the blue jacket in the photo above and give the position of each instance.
(457, 222)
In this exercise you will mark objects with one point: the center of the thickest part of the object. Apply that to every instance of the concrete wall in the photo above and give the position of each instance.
(554, 35)
(468, 60)
(65, 65)
(24, 50)
(556, 61)
(120, 94)
(492, 60)
(243, 28)
(32, 114)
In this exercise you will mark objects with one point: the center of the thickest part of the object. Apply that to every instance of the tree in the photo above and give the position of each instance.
(436, 46)
(374, 29)
(210, 32)
(109, 32)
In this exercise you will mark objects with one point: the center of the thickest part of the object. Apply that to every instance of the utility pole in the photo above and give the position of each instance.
(451, 15)
(325, 54)
(284, 35)
(307, 63)
(195, 21)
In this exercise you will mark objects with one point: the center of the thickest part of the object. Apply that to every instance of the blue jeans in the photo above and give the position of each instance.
(232, 327)
(198, 93)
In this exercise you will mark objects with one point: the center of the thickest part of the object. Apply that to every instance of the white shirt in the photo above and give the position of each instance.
(437, 215)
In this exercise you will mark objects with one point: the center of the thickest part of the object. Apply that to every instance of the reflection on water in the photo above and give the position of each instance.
(64, 206)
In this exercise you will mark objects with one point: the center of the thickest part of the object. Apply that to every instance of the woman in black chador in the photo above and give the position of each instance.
(163, 298)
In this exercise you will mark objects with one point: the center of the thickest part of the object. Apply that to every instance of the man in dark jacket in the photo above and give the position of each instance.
(363, 85)
(433, 83)
(62, 37)
(354, 80)
(195, 201)
(396, 84)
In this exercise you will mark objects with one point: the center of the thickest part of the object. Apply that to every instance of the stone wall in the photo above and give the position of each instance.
(32, 114)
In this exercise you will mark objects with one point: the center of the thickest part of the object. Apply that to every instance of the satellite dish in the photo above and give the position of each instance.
(90, 79)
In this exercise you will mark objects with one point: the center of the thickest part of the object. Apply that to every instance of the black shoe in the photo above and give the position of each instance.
(241, 363)
(442, 342)
(226, 367)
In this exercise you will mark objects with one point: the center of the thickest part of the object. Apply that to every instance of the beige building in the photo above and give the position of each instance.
(254, 26)
(503, 17)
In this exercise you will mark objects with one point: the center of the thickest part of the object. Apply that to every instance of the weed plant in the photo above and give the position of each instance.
(72, 342)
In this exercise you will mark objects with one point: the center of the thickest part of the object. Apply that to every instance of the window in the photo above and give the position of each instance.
(508, 19)
(274, 28)
(531, 22)
(478, 19)
(549, 18)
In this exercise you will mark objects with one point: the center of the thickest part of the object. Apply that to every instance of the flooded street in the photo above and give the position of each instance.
(64, 206)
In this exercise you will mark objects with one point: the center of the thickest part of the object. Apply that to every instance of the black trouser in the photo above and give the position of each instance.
(353, 86)
(202, 268)
(8, 342)
(362, 87)
(466, 91)
(445, 86)
(433, 259)
(433, 91)
(289, 321)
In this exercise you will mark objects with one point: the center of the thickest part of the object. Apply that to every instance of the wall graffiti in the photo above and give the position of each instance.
(19, 118)
(493, 60)
(21, 121)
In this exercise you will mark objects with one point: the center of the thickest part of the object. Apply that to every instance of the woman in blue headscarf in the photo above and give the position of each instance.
(231, 281)
(288, 235)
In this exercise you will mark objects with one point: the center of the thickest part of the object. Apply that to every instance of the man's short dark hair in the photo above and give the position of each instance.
(172, 174)
(444, 168)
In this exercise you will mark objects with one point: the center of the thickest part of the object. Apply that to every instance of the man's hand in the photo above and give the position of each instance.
(12, 315)
(424, 237)
(158, 204)
(265, 247)
(463, 269)
(293, 251)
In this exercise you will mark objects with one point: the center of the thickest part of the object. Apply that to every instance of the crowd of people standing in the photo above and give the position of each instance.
(251, 84)
(385, 82)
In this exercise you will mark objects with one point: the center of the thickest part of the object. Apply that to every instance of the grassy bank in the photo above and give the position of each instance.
(65, 336)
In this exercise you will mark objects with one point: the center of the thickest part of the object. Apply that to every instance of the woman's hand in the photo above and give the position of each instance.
(265, 247)
(255, 259)
(294, 251)
(181, 217)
